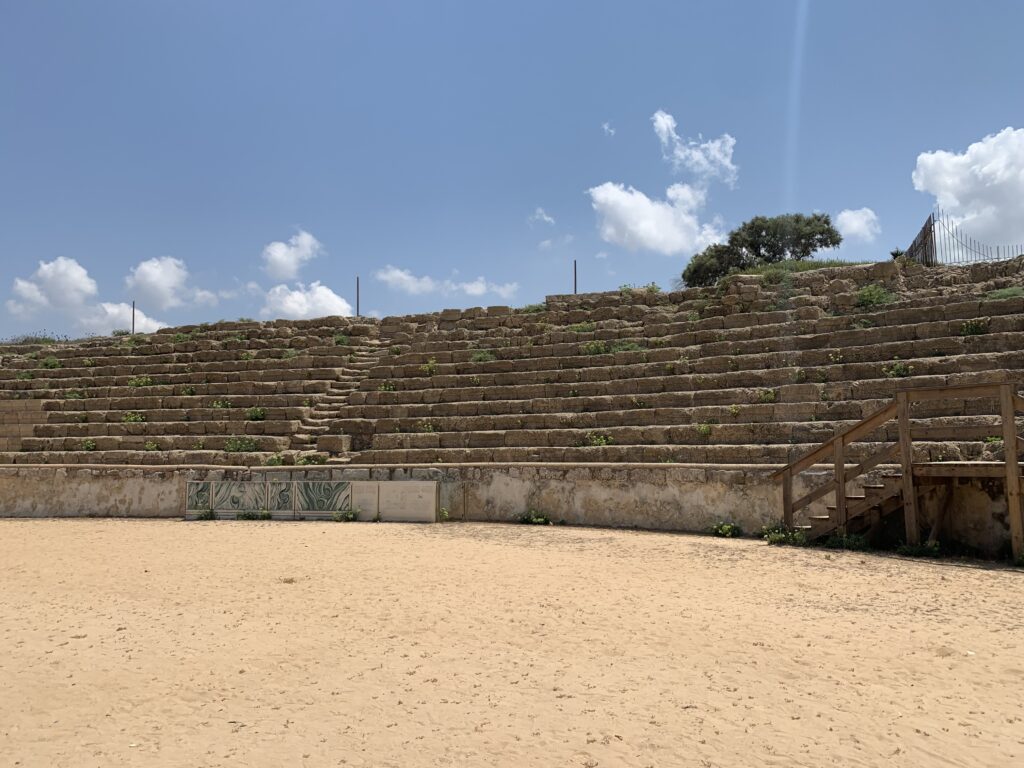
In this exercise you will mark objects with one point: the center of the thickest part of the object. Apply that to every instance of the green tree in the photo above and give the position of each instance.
(763, 240)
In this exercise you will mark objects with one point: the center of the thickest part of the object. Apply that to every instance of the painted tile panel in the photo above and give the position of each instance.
(323, 496)
(279, 496)
(232, 496)
(197, 497)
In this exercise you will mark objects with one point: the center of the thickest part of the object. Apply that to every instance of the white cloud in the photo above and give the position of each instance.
(982, 188)
(541, 216)
(282, 261)
(64, 287)
(607, 128)
(629, 218)
(600, 255)
(858, 224)
(162, 283)
(105, 317)
(551, 242)
(705, 159)
(545, 245)
(405, 281)
(304, 302)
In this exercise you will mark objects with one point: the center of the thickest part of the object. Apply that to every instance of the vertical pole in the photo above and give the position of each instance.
(839, 464)
(907, 460)
(133, 317)
(1008, 410)
(574, 276)
(357, 295)
(787, 498)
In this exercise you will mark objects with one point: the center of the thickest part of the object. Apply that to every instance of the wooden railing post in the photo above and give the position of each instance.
(1008, 409)
(839, 463)
(913, 533)
(787, 498)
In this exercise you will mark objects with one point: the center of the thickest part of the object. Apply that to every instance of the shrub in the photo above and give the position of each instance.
(121, 332)
(188, 391)
(274, 461)
(24, 375)
(855, 542)
(625, 346)
(245, 320)
(429, 368)
(924, 549)
(311, 458)
(975, 327)
(181, 338)
(704, 431)
(74, 394)
(582, 327)
(346, 516)
(50, 363)
(88, 445)
(256, 414)
(220, 404)
(779, 534)
(1013, 292)
(241, 445)
(341, 340)
(593, 348)
(394, 351)
(897, 370)
(88, 362)
(246, 355)
(386, 386)
(597, 440)
(251, 514)
(150, 445)
(483, 356)
(531, 308)
(533, 517)
(140, 381)
(873, 296)
(767, 396)
(133, 417)
(726, 530)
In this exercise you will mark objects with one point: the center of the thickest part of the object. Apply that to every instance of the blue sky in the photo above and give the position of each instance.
(226, 159)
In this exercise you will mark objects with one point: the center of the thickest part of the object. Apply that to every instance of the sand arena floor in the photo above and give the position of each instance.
(163, 643)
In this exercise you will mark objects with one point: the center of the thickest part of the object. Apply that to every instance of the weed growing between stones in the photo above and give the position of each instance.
(220, 404)
(241, 445)
(386, 386)
(140, 381)
(256, 414)
(533, 517)
(429, 368)
(133, 417)
(341, 340)
(206, 514)
(924, 549)
(311, 458)
(50, 363)
(88, 445)
(975, 327)
(780, 535)
(276, 460)
(726, 530)
(482, 356)
(897, 370)
(871, 296)
(1013, 292)
(150, 445)
(346, 516)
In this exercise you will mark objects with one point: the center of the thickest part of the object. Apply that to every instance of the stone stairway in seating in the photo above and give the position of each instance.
(755, 372)
(242, 393)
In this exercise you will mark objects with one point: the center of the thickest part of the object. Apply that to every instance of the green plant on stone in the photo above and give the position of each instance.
(289, 354)
(246, 355)
(874, 295)
(140, 381)
(482, 356)
(345, 516)
(200, 445)
(897, 370)
(74, 394)
(221, 404)
(597, 439)
(88, 362)
(188, 391)
(593, 348)
(474, 381)
(341, 340)
(533, 308)
(133, 417)
(625, 346)
(88, 445)
(704, 431)
(863, 323)
(993, 440)
(247, 514)
(24, 375)
(311, 459)
(734, 410)
(726, 530)
(50, 363)
(587, 327)
(443, 515)
(121, 332)
(206, 514)
(150, 445)
(241, 445)
(276, 460)
(767, 396)
(975, 327)
(1013, 292)
(779, 535)
(636, 402)
(256, 414)
(533, 517)
(386, 386)
(181, 338)
(854, 542)
(429, 368)
(424, 426)
(924, 549)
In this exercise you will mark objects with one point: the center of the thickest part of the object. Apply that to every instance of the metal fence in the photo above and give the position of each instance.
(942, 241)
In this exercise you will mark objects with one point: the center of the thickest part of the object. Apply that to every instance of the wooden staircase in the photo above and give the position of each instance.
(900, 488)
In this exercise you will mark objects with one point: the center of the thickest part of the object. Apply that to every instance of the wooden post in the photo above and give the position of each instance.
(839, 463)
(787, 498)
(907, 460)
(1007, 408)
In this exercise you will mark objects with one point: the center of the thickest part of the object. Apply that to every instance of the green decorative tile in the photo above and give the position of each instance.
(279, 496)
(197, 497)
(234, 496)
(325, 496)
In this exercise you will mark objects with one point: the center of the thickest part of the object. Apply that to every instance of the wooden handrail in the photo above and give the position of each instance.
(1010, 403)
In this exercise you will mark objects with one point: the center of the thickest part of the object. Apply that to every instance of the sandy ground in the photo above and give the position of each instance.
(164, 643)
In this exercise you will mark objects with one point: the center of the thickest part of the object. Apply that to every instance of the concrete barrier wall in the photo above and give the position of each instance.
(669, 497)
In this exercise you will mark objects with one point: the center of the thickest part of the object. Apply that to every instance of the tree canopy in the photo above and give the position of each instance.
(763, 240)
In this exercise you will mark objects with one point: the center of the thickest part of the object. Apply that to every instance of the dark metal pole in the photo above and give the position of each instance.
(357, 295)
(574, 276)
(133, 317)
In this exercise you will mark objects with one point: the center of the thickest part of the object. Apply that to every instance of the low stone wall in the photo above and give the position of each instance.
(670, 497)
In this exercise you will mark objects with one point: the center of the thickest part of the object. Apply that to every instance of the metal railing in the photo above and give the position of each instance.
(943, 241)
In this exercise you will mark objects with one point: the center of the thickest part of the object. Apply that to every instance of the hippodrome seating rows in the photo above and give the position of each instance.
(231, 393)
(757, 371)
